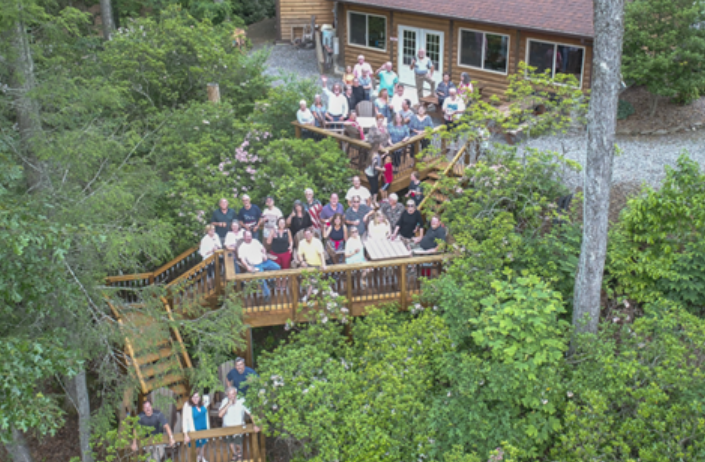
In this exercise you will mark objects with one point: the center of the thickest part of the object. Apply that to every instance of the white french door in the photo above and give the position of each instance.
(411, 40)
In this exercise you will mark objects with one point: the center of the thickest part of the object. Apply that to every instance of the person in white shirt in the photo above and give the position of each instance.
(270, 215)
(423, 72)
(231, 240)
(209, 245)
(337, 102)
(304, 115)
(254, 256)
(358, 190)
(453, 108)
(398, 99)
(232, 410)
(361, 67)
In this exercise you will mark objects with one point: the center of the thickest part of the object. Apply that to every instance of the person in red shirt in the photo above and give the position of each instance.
(388, 175)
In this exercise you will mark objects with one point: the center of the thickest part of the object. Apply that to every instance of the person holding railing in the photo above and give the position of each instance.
(398, 133)
(281, 245)
(156, 421)
(254, 256)
(233, 410)
(195, 418)
(209, 245)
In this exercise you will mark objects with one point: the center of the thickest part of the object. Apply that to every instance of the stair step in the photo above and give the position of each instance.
(164, 381)
(440, 197)
(162, 367)
(434, 175)
(163, 352)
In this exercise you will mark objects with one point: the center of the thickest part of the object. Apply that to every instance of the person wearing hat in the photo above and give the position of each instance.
(270, 215)
(238, 376)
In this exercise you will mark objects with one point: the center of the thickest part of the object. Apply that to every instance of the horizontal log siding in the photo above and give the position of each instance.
(296, 12)
(493, 82)
(351, 52)
(587, 65)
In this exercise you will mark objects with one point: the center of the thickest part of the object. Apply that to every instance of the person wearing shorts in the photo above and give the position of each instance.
(232, 410)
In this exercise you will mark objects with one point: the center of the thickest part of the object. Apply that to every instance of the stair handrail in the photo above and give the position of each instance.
(177, 334)
(128, 346)
(152, 275)
(450, 166)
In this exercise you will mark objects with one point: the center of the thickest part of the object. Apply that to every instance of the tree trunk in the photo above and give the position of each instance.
(26, 107)
(18, 450)
(78, 393)
(654, 104)
(607, 49)
(106, 16)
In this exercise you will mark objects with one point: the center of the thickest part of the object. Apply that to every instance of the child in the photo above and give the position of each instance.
(349, 76)
(388, 175)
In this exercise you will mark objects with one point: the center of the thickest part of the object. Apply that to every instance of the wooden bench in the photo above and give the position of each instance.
(431, 101)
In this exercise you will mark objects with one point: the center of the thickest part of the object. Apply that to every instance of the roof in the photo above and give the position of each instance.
(565, 17)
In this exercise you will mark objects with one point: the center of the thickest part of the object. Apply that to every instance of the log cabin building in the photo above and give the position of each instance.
(487, 39)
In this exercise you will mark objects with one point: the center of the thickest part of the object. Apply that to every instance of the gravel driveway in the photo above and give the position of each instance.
(642, 159)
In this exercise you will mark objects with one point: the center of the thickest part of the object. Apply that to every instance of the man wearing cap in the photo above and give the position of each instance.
(238, 376)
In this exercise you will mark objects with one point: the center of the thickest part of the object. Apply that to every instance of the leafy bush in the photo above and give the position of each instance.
(624, 109)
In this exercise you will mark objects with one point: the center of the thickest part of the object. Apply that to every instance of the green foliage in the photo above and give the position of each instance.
(664, 47)
(362, 401)
(658, 248)
(624, 109)
(637, 391)
(166, 62)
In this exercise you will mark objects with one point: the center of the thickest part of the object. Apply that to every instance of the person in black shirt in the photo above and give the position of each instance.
(155, 420)
(222, 218)
(428, 243)
(415, 188)
(408, 223)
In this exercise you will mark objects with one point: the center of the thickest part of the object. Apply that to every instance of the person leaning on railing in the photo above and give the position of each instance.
(154, 419)
(195, 418)
(319, 111)
(281, 245)
(418, 124)
(233, 410)
(305, 117)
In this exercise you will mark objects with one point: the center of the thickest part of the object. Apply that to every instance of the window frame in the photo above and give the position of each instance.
(555, 50)
(482, 60)
(367, 32)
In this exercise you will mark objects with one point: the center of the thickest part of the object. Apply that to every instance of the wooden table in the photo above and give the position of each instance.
(384, 249)
(368, 122)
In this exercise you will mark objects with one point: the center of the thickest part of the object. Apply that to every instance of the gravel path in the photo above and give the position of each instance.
(643, 158)
(285, 59)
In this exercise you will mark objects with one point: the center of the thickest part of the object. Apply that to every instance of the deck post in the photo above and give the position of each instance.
(218, 278)
(402, 280)
(294, 287)
(297, 129)
(349, 287)
(263, 446)
(249, 354)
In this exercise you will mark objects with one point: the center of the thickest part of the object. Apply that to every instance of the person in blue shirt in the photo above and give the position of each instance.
(250, 216)
(238, 377)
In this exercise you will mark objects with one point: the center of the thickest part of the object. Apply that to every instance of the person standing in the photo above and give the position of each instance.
(357, 190)
(382, 104)
(387, 77)
(423, 72)
(398, 99)
(270, 215)
(209, 245)
(443, 88)
(333, 207)
(337, 103)
(409, 222)
(222, 218)
(418, 124)
(372, 171)
(237, 377)
(250, 216)
(366, 83)
(406, 112)
(361, 67)
(233, 410)
(357, 215)
(154, 420)
(195, 414)
(298, 219)
(453, 108)
(398, 132)
(319, 111)
(415, 188)
(313, 207)
(388, 177)
(358, 92)
(392, 209)
(232, 240)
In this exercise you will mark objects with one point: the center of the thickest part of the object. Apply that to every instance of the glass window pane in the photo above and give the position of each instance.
(409, 46)
(496, 52)
(433, 49)
(358, 29)
(471, 48)
(377, 32)
(541, 55)
(569, 60)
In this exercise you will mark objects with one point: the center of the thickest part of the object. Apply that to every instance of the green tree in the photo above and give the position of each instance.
(664, 48)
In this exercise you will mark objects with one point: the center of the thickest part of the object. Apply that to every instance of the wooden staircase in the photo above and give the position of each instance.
(454, 168)
(158, 363)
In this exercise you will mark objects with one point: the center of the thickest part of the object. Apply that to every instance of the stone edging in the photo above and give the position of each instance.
(664, 131)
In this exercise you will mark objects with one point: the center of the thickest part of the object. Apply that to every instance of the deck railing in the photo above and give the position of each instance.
(217, 450)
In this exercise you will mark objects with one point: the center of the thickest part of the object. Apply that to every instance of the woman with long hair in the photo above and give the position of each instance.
(379, 227)
(195, 414)
(281, 245)
(336, 233)
(398, 132)
(298, 219)
(372, 171)
(382, 103)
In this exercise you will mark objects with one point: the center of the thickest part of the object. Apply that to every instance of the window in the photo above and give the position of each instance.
(367, 30)
(556, 58)
(483, 50)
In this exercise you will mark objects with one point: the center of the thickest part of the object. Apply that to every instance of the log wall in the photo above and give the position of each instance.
(297, 12)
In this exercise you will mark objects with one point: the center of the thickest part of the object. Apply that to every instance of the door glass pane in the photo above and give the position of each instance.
(358, 29)
(408, 46)
(569, 60)
(433, 50)
(496, 52)
(541, 55)
(377, 29)
(471, 48)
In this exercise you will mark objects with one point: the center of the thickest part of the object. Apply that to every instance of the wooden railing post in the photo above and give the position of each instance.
(349, 287)
(297, 129)
(294, 287)
(218, 278)
(404, 288)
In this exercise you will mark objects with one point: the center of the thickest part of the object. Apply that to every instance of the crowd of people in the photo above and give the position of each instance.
(232, 410)
(314, 235)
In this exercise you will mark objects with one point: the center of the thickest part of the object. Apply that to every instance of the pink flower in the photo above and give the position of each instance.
(245, 144)
(250, 170)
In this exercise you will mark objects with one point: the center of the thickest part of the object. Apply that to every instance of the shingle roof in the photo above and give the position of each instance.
(566, 17)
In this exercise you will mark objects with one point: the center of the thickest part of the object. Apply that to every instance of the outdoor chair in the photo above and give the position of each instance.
(365, 109)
